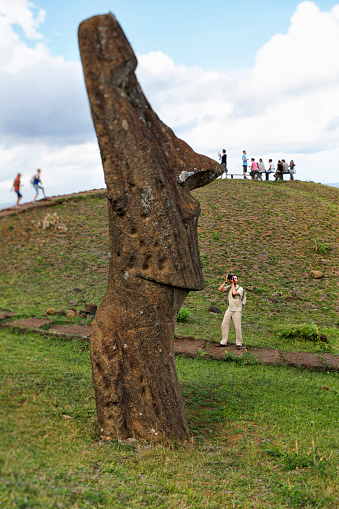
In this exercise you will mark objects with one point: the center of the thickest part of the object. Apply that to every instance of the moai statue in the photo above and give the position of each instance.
(154, 262)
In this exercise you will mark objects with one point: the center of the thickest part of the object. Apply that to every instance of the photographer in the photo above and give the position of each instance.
(234, 310)
(223, 161)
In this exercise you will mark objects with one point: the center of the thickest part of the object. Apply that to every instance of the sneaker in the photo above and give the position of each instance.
(239, 347)
(219, 344)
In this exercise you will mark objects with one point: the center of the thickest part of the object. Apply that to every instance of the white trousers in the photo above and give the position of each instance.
(225, 326)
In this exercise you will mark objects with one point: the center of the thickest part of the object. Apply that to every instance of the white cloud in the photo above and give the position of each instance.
(19, 12)
(44, 114)
(287, 105)
(67, 169)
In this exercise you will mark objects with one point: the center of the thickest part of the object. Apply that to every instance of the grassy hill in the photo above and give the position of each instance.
(264, 436)
(271, 234)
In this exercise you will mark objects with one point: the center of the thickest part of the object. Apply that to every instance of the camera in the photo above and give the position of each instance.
(229, 277)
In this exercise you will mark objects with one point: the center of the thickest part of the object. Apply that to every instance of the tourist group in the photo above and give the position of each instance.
(257, 169)
(36, 183)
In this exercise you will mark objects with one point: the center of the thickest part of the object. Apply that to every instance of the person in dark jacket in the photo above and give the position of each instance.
(223, 159)
(279, 173)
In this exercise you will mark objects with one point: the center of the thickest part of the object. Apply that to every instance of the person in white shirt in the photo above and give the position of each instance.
(234, 311)
(271, 169)
(261, 167)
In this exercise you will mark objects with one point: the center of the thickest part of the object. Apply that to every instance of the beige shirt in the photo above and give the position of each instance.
(234, 301)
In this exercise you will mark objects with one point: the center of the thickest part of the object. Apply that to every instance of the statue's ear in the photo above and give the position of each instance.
(199, 178)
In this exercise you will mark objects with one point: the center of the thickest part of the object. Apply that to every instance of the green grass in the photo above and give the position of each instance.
(271, 233)
(264, 436)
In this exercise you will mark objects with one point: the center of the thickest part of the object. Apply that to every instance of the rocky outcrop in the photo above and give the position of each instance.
(154, 254)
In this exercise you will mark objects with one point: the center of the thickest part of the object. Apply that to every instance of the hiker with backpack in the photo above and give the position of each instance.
(36, 181)
(236, 300)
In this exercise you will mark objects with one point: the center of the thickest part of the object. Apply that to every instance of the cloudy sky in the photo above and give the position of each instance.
(222, 74)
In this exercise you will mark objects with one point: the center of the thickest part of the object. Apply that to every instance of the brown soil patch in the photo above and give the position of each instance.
(331, 360)
(72, 330)
(219, 352)
(188, 346)
(29, 323)
(302, 359)
(267, 355)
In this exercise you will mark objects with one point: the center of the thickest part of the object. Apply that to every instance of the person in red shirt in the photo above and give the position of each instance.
(16, 187)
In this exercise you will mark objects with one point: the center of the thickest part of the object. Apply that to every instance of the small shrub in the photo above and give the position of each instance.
(183, 315)
(201, 353)
(322, 247)
(295, 460)
(273, 451)
(303, 332)
(46, 326)
(215, 236)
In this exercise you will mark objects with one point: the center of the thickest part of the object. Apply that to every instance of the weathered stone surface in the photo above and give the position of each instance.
(70, 313)
(316, 274)
(90, 309)
(214, 309)
(154, 254)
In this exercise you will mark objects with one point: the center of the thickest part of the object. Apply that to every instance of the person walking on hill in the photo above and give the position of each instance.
(37, 185)
(244, 164)
(16, 187)
(223, 159)
(234, 311)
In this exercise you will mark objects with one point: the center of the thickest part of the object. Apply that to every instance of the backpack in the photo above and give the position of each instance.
(32, 180)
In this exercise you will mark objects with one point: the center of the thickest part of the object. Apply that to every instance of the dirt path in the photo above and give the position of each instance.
(49, 202)
(192, 347)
